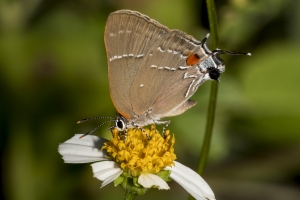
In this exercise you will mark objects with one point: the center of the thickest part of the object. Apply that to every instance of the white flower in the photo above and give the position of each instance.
(88, 149)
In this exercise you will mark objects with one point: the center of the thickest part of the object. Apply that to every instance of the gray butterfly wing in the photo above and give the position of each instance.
(164, 82)
(128, 37)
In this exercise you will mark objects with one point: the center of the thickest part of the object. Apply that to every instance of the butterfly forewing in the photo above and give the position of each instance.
(128, 37)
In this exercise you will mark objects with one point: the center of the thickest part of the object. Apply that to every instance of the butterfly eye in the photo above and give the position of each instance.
(120, 124)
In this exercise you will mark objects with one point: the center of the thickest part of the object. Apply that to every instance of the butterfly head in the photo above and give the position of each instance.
(213, 64)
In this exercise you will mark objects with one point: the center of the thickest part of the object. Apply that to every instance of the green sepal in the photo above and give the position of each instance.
(133, 188)
(135, 182)
(118, 181)
(165, 175)
(130, 185)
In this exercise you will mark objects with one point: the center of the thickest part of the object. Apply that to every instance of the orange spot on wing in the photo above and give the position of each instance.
(192, 59)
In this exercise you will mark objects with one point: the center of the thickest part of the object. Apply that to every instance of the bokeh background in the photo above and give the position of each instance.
(53, 72)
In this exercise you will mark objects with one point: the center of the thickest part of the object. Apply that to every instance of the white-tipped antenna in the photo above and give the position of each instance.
(235, 53)
(205, 39)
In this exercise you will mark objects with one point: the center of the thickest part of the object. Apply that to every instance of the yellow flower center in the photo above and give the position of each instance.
(137, 154)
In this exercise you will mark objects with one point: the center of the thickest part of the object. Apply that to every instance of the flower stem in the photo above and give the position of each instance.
(209, 128)
(212, 16)
(130, 195)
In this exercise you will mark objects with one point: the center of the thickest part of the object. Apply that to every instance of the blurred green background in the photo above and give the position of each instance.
(53, 72)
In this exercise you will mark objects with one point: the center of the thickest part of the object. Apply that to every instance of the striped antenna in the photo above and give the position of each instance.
(93, 118)
(93, 129)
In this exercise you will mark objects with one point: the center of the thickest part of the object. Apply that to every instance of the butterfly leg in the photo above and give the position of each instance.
(166, 124)
(142, 129)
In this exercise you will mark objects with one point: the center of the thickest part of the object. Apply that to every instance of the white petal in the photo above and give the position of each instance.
(192, 182)
(103, 170)
(86, 149)
(88, 140)
(106, 171)
(148, 180)
(111, 178)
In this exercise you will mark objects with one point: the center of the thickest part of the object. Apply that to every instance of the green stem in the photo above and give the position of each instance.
(212, 16)
(213, 25)
(209, 128)
(130, 195)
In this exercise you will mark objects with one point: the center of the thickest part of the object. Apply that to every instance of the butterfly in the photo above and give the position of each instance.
(152, 70)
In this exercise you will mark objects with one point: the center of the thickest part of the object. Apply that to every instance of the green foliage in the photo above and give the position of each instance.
(53, 72)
